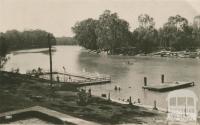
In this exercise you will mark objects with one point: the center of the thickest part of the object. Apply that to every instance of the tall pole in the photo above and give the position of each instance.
(50, 58)
(64, 73)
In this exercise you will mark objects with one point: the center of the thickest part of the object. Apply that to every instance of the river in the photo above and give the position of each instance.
(128, 76)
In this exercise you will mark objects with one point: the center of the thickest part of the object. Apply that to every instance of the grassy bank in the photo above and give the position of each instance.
(20, 91)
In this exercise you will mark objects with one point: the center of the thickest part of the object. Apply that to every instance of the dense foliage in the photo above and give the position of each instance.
(105, 34)
(27, 39)
(3, 51)
(145, 36)
(109, 33)
(177, 34)
(85, 33)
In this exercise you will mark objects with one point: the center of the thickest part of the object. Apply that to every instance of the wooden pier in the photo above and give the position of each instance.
(93, 82)
(166, 86)
(77, 79)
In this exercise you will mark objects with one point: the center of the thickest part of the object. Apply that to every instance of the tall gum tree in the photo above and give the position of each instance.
(145, 36)
(112, 32)
(85, 33)
(177, 34)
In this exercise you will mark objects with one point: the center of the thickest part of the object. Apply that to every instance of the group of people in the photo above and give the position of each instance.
(117, 88)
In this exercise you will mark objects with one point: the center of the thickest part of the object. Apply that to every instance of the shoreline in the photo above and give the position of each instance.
(148, 107)
(159, 53)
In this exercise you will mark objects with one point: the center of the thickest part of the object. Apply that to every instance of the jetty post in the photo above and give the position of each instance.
(50, 58)
(130, 100)
(162, 78)
(155, 105)
(145, 81)
(90, 92)
(109, 97)
(139, 100)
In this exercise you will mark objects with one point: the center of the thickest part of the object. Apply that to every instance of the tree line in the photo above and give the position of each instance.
(3, 52)
(109, 33)
(16, 40)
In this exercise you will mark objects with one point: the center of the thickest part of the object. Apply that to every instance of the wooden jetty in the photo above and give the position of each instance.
(166, 86)
(93, 82)
(77, 79)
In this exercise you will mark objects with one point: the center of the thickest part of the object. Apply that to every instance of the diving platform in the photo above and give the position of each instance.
(166, 86)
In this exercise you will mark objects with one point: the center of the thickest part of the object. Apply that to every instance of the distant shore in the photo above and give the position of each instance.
(175, 54)
(160, 53)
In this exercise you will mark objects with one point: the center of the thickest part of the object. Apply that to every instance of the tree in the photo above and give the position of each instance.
(177, 34)
(145, 21)
(145, 36)
(186, 40)
(85, 33)
(105, 34)
(3, 51)
(166, 36)
(178, 22)
(112, 32)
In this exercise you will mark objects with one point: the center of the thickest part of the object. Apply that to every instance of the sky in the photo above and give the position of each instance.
(58, 16)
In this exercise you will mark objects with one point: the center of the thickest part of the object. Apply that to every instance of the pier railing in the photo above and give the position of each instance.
(77, 78)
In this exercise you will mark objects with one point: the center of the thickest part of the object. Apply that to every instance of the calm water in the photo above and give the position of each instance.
(128, 77)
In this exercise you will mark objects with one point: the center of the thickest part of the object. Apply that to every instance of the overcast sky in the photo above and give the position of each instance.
(58, 16)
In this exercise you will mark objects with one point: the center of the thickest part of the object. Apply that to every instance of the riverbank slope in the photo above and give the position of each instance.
(18, 92)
